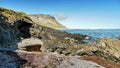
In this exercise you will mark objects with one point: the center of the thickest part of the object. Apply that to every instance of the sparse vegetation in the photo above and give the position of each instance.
(8, 12)
(22, 13)
(52, 26)
(46, 20)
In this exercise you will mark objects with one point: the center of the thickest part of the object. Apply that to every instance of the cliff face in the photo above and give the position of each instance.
(13, 26)
(46, 20)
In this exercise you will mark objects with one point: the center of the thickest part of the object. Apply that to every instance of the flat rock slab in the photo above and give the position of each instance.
(101, 61)
(23, 59)
(53, 60)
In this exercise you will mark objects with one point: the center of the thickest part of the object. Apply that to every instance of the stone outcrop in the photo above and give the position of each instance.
(21, 59)
(15, 27)
(46, 20)
(106, 48)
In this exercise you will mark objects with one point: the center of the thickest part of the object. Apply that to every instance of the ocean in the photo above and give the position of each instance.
(96, 33)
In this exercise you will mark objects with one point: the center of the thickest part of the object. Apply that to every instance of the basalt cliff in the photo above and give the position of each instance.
(25, 44)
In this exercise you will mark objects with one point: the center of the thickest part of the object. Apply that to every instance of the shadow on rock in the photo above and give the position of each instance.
(10, 35)
(9, 59)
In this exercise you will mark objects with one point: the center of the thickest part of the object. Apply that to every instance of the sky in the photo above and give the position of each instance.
(74, 14)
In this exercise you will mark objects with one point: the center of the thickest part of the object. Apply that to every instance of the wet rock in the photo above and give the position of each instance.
(87, 37)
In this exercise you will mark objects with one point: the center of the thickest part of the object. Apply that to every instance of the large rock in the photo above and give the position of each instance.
(22, 59)
(13, 26)
(109, 49)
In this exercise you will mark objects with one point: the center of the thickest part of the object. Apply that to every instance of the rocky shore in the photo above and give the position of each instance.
(25, 44)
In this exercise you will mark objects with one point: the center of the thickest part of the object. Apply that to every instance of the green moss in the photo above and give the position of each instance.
(21, 13)
(8, 12)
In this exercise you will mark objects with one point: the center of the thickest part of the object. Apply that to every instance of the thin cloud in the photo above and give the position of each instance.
(61, 16)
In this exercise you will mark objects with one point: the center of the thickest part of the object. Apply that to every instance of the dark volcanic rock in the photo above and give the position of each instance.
(12, 27)
(9, 59)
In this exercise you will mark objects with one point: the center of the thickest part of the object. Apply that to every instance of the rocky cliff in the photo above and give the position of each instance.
(13, 26)
(25, 44)
(46, 20)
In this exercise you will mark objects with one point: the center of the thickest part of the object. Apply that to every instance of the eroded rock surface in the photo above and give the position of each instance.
(22, 59)
(106, 48)
(101, 61)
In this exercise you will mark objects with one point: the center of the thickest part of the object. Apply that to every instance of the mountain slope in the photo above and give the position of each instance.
(46, 20)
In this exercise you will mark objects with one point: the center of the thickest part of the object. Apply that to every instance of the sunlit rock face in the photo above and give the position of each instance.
(46, 20)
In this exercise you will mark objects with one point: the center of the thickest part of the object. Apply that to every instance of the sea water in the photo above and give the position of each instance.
(96, 33)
